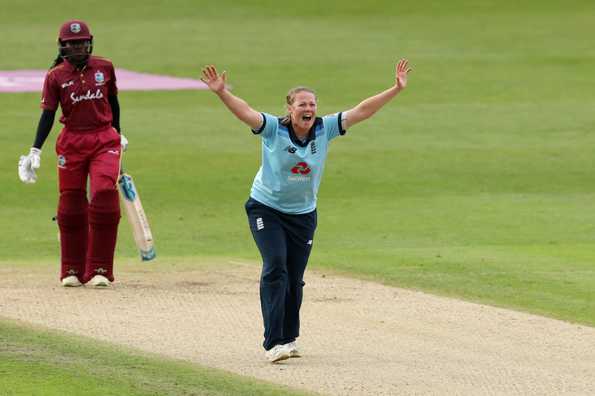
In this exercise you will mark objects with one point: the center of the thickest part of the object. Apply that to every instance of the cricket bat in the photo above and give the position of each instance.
(136, 217)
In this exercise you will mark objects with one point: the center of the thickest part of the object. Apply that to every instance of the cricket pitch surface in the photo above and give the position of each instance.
(358, 337)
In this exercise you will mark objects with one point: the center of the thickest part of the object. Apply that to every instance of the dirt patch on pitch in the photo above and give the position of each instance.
(358, 337)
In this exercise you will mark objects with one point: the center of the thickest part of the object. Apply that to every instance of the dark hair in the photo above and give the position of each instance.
(57, 61)
(290, 98)
(61, 54)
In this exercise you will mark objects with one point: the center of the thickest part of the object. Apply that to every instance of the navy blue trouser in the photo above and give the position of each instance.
(285, 242)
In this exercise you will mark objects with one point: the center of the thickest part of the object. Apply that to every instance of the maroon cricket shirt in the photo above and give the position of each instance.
(82, 94)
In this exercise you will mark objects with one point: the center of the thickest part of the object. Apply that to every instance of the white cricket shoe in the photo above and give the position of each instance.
(99, 281)
(71, 281)
(277, 353)
(294, 352)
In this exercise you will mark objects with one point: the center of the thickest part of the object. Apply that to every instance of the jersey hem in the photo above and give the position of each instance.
(280, 209)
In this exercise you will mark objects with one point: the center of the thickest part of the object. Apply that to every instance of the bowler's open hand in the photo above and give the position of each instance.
(215, 81)
(402, 69)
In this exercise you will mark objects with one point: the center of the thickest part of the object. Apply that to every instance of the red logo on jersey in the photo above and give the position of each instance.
(302, 168)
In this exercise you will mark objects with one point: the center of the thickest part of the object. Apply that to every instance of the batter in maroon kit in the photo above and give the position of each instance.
(89, 145)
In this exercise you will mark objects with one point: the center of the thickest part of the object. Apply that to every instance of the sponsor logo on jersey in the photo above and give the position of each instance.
(300, 173)
(75, 27)
(298, 178)
(87, 96)
(302, 168)
(67, 84)
(313, 147)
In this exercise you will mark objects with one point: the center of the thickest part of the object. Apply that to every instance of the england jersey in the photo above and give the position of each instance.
(291, 170)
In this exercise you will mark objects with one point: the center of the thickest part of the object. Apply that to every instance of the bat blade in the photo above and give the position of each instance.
(137, 218)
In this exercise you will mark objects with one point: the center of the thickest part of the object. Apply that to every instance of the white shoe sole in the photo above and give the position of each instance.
(280, 358)
(278, 355)
(71, 281)
(99, 282)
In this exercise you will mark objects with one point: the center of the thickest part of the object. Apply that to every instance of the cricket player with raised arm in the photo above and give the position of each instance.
(282, 205)
(89, 145)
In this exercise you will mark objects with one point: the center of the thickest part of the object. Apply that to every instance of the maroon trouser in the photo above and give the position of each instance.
(88, 228)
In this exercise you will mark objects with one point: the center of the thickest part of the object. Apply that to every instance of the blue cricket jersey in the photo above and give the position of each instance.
(291, 170)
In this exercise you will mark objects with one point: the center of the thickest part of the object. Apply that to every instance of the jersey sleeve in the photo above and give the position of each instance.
(268, 127)
(50, 96)
(112, 88)
(333, 126)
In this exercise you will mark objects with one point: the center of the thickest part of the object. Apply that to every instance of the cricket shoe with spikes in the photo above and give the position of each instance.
(294, 352)
(277, 353)
(99, 281)
(71, 281)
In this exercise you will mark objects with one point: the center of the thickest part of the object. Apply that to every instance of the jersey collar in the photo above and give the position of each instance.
(311, 133)
(71, 68)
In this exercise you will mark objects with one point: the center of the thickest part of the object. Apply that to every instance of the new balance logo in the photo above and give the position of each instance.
(101, 271)
(259, 224)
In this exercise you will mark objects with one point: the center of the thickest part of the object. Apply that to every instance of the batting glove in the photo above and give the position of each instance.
(28, 164)
(123, 142)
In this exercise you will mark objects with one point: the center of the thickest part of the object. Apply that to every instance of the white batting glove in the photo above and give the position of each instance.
(28, 164)
(123, 142)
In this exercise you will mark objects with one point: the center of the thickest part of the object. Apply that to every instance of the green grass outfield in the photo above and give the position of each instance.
(36, 362)
(477, 182)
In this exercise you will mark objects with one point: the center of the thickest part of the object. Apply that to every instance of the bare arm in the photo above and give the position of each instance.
(371, 105)
(238, 106)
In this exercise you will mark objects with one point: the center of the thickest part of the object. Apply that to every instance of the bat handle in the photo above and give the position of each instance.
(121, 159)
